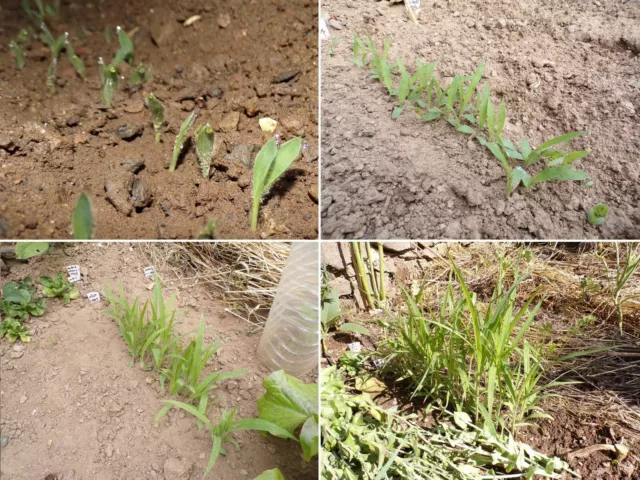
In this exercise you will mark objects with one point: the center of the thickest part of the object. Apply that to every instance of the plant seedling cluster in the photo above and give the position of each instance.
(204, 137)
(59, 287)
(109, 75)
(476, 117)
(18, 303)
(57, 46)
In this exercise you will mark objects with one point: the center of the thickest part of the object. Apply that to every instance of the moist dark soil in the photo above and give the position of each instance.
(74, 408)
(241, 61)
(560, 66)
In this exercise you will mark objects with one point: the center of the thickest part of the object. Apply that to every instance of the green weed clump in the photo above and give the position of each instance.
(598, 214)
(18, 303)
(423, 93)
(270, 164)
(471, 357)
(59, 287)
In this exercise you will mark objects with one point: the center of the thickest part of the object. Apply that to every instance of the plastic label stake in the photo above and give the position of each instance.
(74, 278)
(377, 362)
(94, 297)
(73, 270)
(355, 347)
(324, 30)
(149, 271)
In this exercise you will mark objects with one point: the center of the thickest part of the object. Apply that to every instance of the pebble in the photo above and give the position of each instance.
(313, 193)
(140, 194)
(23, 399)
(117, 194)
(4, 441)
(127, 132)
(285, 76)
(242, 154)
(72, 121)
(333, 23)
(5, 142)
(133, 164)
(229, 122)
(216, 92)
(552, 102)
(133, 107)
(224, 20)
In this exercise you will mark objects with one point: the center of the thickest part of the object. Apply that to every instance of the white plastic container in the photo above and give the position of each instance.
(291, 336)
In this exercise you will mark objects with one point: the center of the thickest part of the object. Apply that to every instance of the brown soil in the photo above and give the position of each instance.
(52, 147)
(73, 408)
(578, 421)
(385, 178)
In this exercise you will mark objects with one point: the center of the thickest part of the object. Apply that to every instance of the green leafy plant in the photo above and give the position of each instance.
(59, 287)
(157, 115)
(204, 147)
(14, 330)
(222, 431)
(274, 474)
(181, 138)
(270, 164)
(25, 250)
(291, 403)
(598, 214)
(19, 301)
(141, 75)
(627, 264)
(361, 439)
(83, 222)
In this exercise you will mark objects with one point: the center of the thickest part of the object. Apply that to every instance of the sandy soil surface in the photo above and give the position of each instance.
(560, 66)
(240, 62)
(73, 408)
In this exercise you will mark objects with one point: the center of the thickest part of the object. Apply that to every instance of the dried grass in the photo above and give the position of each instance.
(245, 275)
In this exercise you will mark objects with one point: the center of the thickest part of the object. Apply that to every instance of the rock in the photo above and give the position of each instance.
(16, 355)
(229, 122)
(552, 102)
(342, 286)
(224, 20)
(127, 132)
(176, 469)
(72, 121)
(396, 247)
(18, 348)
(501, 23)
(474, 197)
(533, 81)
(285, 76)
(241, 154)
(331, 256)
(23, 399)
(572, 28)
(453, 230)
(4, 441)
(216, 92)
(141, 195)
(133, 165)
(628, 107)
(313, 193)
(293, 124)
(109, 450)
(148, 380)
(5, 142)
(132, 106)
(232, 386)
(335, 24)
(117, 193)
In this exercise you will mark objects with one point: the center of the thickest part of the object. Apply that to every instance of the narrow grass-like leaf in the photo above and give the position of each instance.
(396, 112)
(502, 115)
(125, 52)
(353, 328)
(111, 82)
(404, 83)
(483, 100)
(204, 147)
(559, 174)
(181, 138)
(18, 54)
(157, 115)
(83, 222)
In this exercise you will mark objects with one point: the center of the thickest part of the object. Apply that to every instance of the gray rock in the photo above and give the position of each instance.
(335, 24)
(285, 76)
(176, 469)
(117, 193)
(127, 132)
(133, 165)
(5, 142)
(396, 247)
(141, 195)
(4, 441)
(241, 154)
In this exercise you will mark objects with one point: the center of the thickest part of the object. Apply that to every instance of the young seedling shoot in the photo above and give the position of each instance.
(204, 147)
(598, 214)
(269, 165)
(18, 54)
(109, 75)
(83, 223)
(141, 75)
(77, 63)
(56, 47)
(111, 82)
(157, 115)
(181, 138)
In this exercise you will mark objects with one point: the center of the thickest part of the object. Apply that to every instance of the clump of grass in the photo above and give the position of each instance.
(627, 265)
(480, 119)
(471, 357)
(205, 139)
(157, 115)
(271, 162)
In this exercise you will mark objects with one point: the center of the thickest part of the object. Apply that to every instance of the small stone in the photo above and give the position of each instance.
(16, 355)
(313, 193)
(5, 142)
(133, 106)
(229, 122)
(140, 194)
(501, 23)
(175, 469)
(133, 164)
(127, 132)
(533, 81)
(396, 247)
(333, 23)
(628, 106)
(117, 193)
(23, 399)
(109, 450)
(72, 121)
(285, 77)
(572, 28)
(216, 92)
(224, 20)
(552, 102)
(149, 380)
(4, 441)
(243, 472)
(241, 154)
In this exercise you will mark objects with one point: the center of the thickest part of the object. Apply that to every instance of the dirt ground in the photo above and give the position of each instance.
(385, 178)
(578, 421)
(240, 62)
(73, 408)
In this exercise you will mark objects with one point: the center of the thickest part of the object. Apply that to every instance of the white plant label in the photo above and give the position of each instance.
(355, 347)
(73, 270)
(74, 278)
(378, 362)
(149, 271)
(324, 30)
(94, 297)
(414, 4)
